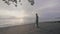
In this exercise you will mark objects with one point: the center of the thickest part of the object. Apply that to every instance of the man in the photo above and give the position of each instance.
(37, 20)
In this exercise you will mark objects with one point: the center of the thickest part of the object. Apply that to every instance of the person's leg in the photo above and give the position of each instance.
(37, 25)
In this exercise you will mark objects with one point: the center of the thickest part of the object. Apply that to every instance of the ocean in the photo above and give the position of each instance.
(5, 22)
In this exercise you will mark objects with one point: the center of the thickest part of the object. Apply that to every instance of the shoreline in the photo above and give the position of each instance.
(11, 25)
(45, 28)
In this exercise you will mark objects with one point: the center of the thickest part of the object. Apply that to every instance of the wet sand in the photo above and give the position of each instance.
(44, 28)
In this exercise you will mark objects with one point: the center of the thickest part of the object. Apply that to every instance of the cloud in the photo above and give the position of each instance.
(44, 8)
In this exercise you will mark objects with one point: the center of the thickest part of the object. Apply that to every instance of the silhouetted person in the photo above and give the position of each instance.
(37, 20)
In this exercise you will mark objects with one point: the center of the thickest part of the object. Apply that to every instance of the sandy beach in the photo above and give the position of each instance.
(44, 28)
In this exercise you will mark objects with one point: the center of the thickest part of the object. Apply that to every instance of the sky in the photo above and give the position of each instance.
(46, 9)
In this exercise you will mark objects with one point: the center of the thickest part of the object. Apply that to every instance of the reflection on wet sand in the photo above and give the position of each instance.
(45, 28)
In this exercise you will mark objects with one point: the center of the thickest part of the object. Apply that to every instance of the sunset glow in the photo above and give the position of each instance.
(22, 14)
